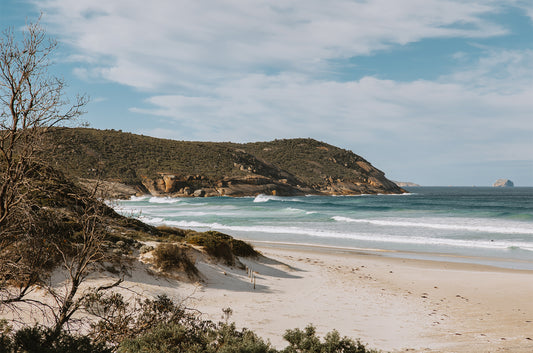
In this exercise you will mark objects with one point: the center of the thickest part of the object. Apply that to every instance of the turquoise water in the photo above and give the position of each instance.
(484, 225)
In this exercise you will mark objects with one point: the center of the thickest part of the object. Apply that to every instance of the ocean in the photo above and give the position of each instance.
(491, 226)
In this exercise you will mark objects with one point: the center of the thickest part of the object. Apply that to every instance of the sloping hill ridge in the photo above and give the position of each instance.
(136, 164)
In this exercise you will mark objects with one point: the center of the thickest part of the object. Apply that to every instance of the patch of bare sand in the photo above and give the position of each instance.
(391, 304)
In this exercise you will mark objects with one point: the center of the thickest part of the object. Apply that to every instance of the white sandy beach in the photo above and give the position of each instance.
(392, 304)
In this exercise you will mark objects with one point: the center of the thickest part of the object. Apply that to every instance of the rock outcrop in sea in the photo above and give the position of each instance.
(503, 183)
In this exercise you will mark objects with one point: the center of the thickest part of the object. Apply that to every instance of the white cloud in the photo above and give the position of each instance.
(161, 43)
(500, 71)
(525, 5)
(453, 116)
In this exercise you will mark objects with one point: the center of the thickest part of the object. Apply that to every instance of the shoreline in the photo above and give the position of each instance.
(396, 227)
(392, 304)
(482, 261)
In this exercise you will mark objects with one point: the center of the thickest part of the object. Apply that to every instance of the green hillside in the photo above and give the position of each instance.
(303, 164)
(311, 160)
(127, 157)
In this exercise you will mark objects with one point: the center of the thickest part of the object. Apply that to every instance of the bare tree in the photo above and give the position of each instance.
(73, 252)
(84, 255)
(31, 101)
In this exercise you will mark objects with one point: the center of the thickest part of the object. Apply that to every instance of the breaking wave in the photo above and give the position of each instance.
(417, 224)
(374, 237)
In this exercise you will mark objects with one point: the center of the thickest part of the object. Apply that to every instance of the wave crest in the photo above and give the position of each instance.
(465, 227)
(374, 238)
(156, 199)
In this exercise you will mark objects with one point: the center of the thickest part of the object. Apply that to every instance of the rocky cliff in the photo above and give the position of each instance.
(181, 168)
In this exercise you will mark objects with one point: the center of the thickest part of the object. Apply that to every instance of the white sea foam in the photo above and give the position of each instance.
(349, 196)
(156, 199)
(374, 238)
(298, 210)
(193, 213)
(404, 194)
(139, 198)
(266, 198)
(447, 226)
(263, 198)
(152, 220)
(202, 213)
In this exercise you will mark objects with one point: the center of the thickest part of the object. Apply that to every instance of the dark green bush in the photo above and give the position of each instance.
(221, 246)
(306, 341)
(120, 319)
(205, 338)
(224, 338)
(229, 340)
(215, 244)
(242, 249)
(174, 257)
(172, 233)
(42, 340)
(165, 339)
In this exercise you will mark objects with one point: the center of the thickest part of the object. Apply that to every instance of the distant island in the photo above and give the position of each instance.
(503, 183)
(134, 164)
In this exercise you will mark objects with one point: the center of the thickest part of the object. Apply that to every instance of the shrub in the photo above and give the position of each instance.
(120, 319)
(307, 341)
(243, 249)
(223, 338)
(172, 231)
(221, 246)
(199, 337)
(173, 257)
(174, 338)
(214, 244)
(229, 340)
(42, 340)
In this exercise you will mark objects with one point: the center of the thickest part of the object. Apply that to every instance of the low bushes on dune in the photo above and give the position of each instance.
(221, 246)
(174, 257)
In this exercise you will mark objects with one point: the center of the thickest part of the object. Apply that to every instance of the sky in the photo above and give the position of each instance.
(435, 92)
